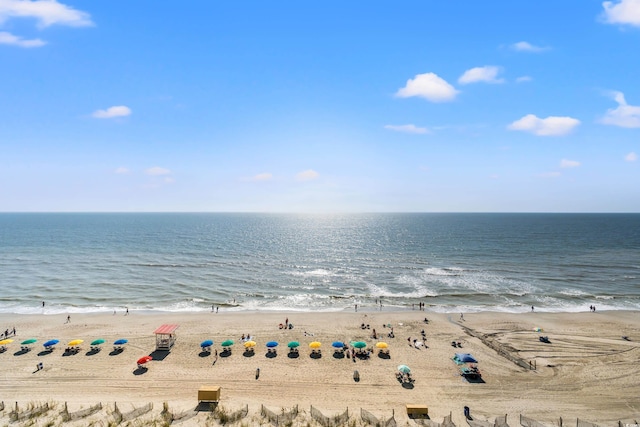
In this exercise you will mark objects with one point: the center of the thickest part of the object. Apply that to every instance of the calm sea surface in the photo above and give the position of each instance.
(187, 262)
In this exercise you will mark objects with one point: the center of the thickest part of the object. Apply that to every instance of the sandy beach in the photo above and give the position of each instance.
(587, 371)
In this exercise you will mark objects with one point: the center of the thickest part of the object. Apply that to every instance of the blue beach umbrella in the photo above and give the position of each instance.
(337, 344)
(51, 343)
(207, 343)
(272, 344)
(121, 341)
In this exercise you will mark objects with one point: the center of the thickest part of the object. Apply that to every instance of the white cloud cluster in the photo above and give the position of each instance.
(122, 171)
(410, 128)
(10, 39)
(307, 175)
(429, 86)
(625, 115)
(527, 47)
(550, 126)
(523, 79)
(263, 177)
(622, 12)
(46, 12)
(631, 157)
(486, 74)
(111, 112)
(565, 164)
(157, 171)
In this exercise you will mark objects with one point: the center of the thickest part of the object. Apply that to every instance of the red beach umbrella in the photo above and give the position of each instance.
(144, 359)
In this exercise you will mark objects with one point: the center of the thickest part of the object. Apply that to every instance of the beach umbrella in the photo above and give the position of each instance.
(537, 329)
(51, 343)
(250, 344)
(337, 344)
(404, 369)
(75, 343)
(97, 342)
(144, 359)
(272, 344)
(121, 341)
(206, 343)
(315, 344)
(293, 344)
(29, 341)
(359, 344)
(227, 343)
(5, 342)
(382, 345)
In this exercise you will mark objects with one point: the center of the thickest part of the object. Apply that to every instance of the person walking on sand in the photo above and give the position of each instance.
(461, 316)
(356, 306)
(68, 318)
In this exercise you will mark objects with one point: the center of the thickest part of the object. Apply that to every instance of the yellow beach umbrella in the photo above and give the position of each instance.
(75, 343)
(250, 344)
(315, 344)
(382, 345)
(5, 342)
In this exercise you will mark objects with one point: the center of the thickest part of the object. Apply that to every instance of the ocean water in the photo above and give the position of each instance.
(89, 262)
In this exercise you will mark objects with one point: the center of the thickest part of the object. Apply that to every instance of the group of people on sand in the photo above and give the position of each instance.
(8, 333)
(592, 308)
(286, 324)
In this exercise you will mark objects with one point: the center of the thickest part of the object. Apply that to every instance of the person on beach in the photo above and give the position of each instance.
(68, 318)
(126, 313)
(532, 309)
(356, 306)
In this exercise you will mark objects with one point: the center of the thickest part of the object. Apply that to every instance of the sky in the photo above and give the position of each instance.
(332, 106)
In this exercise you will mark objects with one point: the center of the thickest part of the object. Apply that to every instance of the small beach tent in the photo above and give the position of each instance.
(165, 336)
(464, 358)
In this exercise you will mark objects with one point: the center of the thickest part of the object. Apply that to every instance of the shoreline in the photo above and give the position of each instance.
(579, 374)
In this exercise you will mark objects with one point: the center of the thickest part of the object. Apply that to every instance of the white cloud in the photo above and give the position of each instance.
(622, 12)
(487, 74)
(10, 39)
(111, 112)
(46, 12)
(523, 79)
(157, 171)
(262, 177)
(122, 171)
(631, 157)
(550, 126)
(564, 163)
(626, 116)
(307, 175)
(527, 47)
(429, 86)
(407, 129)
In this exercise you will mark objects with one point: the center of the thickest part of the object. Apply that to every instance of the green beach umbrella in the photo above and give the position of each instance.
(29, 341)
(97, 342)
(359, 344)
(293, 344)
(227, 343)
(404, 369)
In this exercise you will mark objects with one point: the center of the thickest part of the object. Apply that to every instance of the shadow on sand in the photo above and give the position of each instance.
(140, 370)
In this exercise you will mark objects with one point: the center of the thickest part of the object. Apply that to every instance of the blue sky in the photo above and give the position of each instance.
(290, 106)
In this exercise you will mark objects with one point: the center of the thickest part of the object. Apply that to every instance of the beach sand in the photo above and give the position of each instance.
(587, 371)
